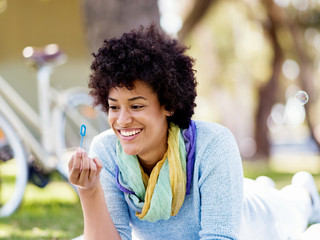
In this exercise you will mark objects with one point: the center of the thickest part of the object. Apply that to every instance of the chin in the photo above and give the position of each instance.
(129, 151)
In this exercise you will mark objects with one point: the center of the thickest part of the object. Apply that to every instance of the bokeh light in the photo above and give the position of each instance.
(290, 69)
(27, 52)
(3, 5)
(51, 49)
(282, 3)
(277, 113)
(294, 114)
(170, 20)
(309, 35)
(247, 147)
(301, 5)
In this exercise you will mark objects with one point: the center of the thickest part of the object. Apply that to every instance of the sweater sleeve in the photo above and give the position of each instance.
(102, 147)
(220, 187)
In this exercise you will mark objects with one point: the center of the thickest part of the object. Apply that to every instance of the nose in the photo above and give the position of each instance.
(124, 117)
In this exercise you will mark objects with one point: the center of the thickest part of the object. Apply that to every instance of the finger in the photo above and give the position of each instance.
(76, 168)
(70, 163)
(98, 164)
(73, 173)
(78, 159)
(93, 169)
(85, 167)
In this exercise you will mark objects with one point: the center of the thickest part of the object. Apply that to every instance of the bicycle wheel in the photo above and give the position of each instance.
(78, 111)
(13, 169)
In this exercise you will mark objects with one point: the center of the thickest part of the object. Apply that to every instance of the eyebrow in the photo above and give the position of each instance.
(130, 99)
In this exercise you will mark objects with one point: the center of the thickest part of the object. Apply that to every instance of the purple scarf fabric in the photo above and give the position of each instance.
(189, 136)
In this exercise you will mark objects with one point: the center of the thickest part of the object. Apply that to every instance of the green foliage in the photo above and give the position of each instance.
(53, 212)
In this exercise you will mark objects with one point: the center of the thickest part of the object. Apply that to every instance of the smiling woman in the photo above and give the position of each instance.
(157, 174)
(139, 122)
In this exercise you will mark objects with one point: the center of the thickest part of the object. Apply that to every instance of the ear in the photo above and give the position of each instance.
(169, 113)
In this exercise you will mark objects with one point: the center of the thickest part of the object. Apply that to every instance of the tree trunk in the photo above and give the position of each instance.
(267, 93)
(267, 96)
(110, 18)
(198, 11)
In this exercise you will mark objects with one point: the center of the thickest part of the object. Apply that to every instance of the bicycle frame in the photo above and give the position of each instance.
(39, 122)
(42, 122)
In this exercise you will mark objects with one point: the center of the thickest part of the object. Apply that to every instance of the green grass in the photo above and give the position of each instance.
(53, 212)
(259, 168)
(282, 167)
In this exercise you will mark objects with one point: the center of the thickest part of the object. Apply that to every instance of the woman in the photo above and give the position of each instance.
(159, 175)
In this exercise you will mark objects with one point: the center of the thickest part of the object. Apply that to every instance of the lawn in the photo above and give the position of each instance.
(54, 212)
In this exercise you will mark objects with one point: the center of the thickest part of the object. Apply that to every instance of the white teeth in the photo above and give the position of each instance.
(129, 133)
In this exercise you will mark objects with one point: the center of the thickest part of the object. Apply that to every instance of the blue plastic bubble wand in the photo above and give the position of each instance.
(82, 133)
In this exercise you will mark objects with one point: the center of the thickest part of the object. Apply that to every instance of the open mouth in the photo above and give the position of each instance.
(129, 133)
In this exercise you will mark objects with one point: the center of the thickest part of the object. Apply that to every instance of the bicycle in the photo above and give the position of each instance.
(33, 144)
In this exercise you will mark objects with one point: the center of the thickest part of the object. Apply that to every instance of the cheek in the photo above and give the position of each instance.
(158, 121)
(111, 119)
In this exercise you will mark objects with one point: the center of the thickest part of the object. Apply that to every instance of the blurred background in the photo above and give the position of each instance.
(252, 58)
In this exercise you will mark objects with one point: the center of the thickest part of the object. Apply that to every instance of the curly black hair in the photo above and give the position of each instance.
(146, 54)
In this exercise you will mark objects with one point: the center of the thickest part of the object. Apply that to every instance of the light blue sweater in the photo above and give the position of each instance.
(212, 210)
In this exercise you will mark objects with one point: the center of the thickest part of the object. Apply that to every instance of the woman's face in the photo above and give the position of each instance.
(139, 121)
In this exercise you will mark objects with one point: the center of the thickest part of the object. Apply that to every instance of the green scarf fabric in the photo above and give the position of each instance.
(162, 194)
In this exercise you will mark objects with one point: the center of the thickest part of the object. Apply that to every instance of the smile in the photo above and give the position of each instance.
(130, 133)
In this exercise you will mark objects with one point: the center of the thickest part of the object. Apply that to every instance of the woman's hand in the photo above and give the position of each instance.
(84, 172)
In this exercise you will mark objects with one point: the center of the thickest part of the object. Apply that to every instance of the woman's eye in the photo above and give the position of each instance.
(137, 106)
(113, 107)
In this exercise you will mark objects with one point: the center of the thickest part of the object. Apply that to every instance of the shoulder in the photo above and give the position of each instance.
(212, 132)
(106, 139)
(215, 142)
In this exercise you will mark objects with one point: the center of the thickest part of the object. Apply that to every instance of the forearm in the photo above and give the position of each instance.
(97, 221)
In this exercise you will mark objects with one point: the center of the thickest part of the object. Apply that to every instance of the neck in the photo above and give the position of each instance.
(146, 168)
(148, 162)
(150, 159)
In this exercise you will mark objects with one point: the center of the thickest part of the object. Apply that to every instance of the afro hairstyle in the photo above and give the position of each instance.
(146, 54)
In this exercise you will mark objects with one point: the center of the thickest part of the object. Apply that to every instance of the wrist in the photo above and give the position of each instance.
(89, 190)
